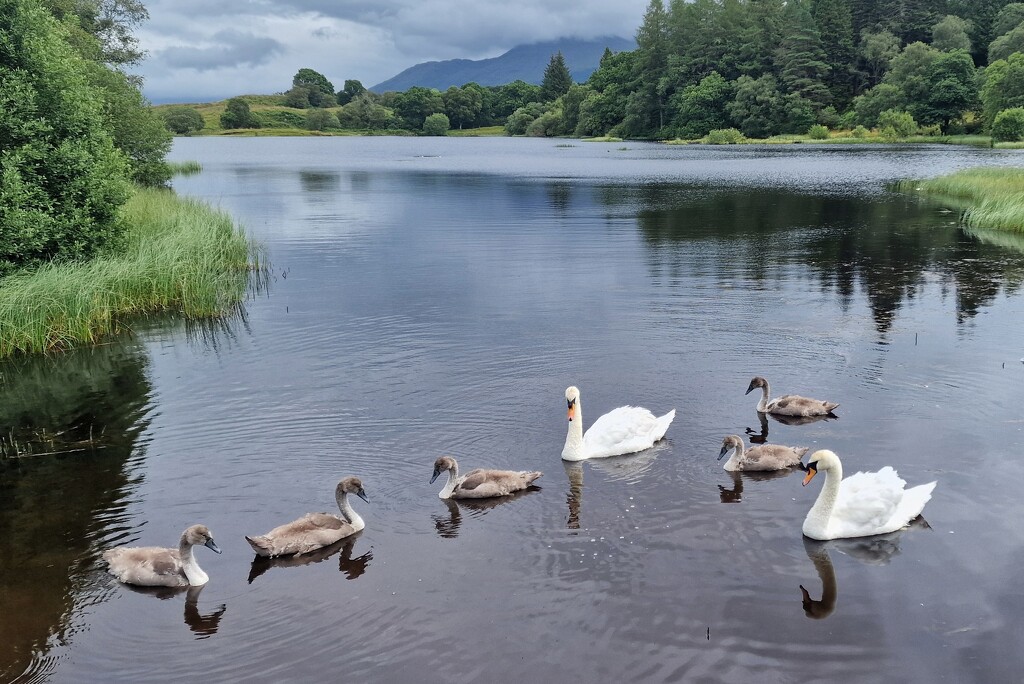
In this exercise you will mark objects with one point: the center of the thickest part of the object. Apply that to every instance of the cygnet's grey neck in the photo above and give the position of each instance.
(354, 518)
(449, 486)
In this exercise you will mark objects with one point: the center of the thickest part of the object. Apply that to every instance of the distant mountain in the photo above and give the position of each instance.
(525, 62)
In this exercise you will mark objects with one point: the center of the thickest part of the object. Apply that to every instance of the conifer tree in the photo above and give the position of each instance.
(835, 25)
(800, 58)
(557, 79)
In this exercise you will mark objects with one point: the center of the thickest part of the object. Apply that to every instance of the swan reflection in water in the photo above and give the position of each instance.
(761, 437)
(628, 467)
(351, 567)
(448, 526)
(203, 626)
(876, 550)
(735, 494)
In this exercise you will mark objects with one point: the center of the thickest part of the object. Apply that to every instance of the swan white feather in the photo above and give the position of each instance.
(624, 430)
(863, 504)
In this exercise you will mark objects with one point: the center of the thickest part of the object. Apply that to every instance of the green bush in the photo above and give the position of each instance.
(724, 136)
(183, 120)
(546, 125)
(1009, 125)
(436, 124)
(238, 115)
(62, 180)
(899, 124)
(860, 132)
(932, 130)
(817, 132)
(320, 120)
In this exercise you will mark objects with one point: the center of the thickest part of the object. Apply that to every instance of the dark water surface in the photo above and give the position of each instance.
(436, 296)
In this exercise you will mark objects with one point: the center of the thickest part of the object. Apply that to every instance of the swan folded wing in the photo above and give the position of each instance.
(146, 566)
(795, 405)
(482, 483)
(771, 457)
(308, 533)
(625, 430)
(867, 503)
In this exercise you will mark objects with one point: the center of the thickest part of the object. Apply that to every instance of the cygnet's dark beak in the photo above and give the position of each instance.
(213, 547)
(362, 495)
(437, 473)
(725, 449)
(750, 388)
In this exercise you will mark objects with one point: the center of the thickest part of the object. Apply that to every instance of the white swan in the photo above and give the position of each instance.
(789, 404)
(480, 483)
(863, 504)
(314, 530)
(624, 430)
(153, 566)
(761, 457)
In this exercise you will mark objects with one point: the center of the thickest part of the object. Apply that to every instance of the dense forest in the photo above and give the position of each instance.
(764, 67)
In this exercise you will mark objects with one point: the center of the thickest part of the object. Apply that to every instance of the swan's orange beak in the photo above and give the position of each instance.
(572, 409)
(811, 472)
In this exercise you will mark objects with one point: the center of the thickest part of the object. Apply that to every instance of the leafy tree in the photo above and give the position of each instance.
(557, 79)
(570, 107)
(321, 120)
(350, 91)
(875, 101)
(702, 108)
(1009, 125)
(800, 59)
(462, 105)
(297, 97)
(1006, 44)
(984, 19)
(951, 34)
(951, 89)
(758, 109)
(436, 124)
(416, 104)
(238, 115)
(137, 131)
(512, 96)
(546, 125)
(1003, 87)
(364, 112)
(909, 72)
(878, 49)
(106, 25)
(183, 120)
(313, 80)
(520, 120)
(1010, 17)
(61, 178)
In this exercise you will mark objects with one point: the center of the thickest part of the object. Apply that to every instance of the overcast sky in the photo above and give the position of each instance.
(200, 50)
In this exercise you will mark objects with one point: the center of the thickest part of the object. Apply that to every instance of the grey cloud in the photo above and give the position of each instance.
(235, 49)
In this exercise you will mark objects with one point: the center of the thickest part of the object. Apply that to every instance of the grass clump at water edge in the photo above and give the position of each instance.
(989, 197)
(179, 255)
(185, 168)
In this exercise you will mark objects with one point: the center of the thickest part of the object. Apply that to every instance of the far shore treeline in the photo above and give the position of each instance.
(728, 69)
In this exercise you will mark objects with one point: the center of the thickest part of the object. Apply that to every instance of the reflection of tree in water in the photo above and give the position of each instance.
(886, 246)
(85, 409)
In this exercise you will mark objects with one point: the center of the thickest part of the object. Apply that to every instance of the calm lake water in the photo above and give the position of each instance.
(436, 296)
